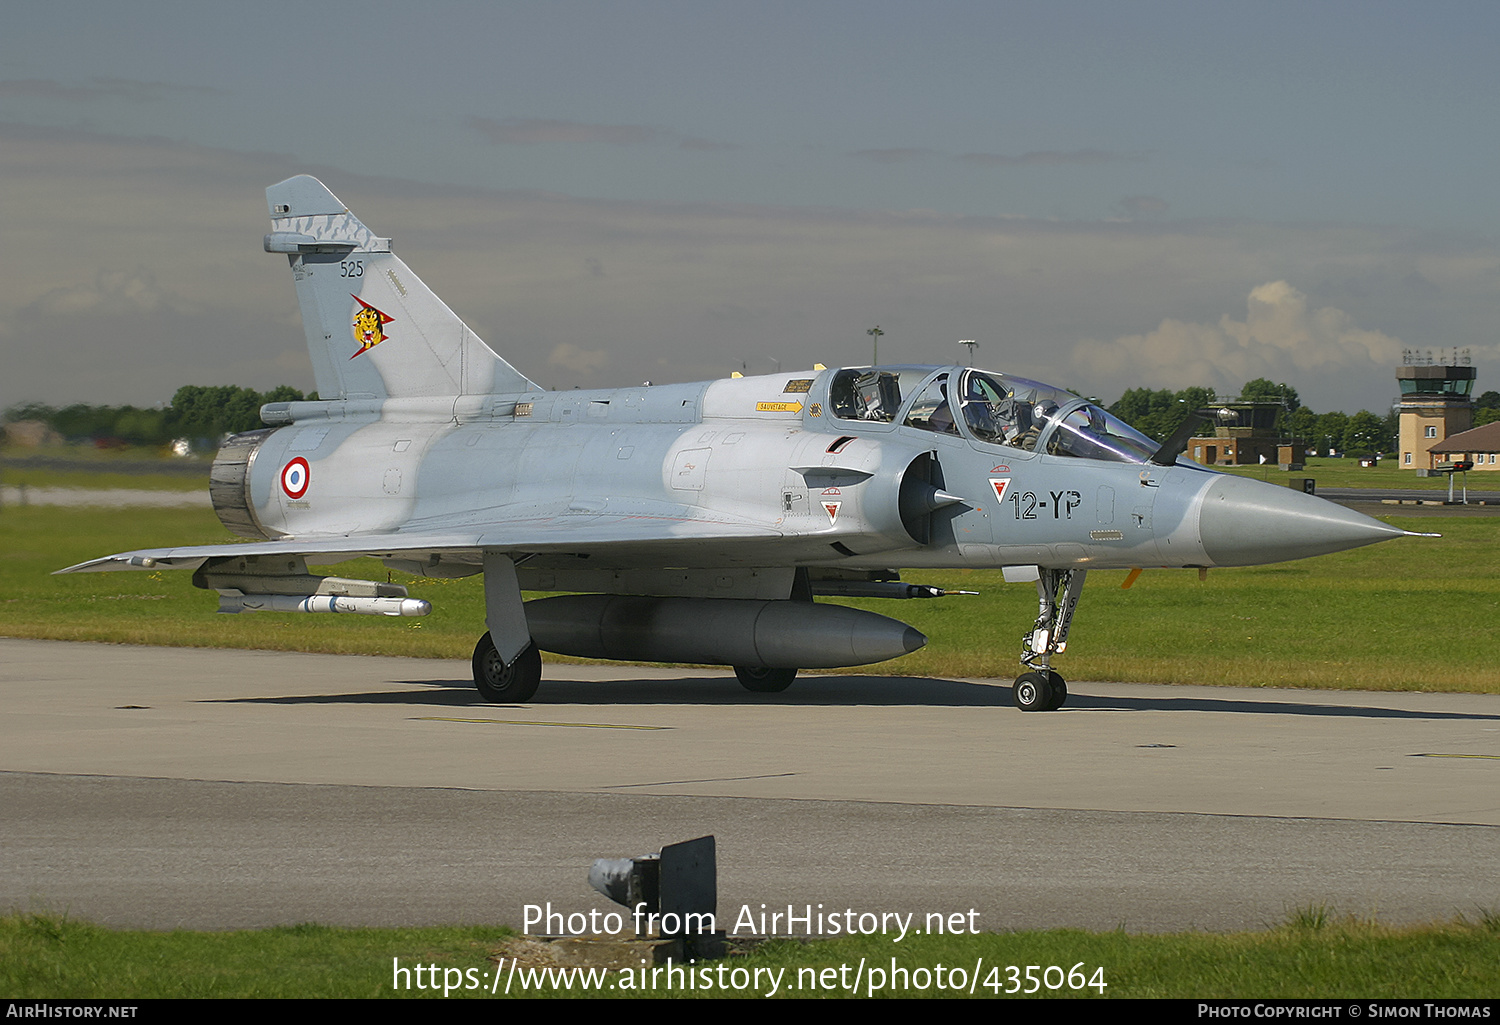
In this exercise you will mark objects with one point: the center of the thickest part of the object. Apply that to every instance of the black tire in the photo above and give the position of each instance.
(503, 684)
(765, 681)
(1059, 688)
(1033, 692)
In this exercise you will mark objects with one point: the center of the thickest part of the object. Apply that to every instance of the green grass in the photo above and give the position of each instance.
(89, 456)
(1408, 614)
(1347, 473)
(1314, 955)
(46, 955)
(163, 607)
(87, 468)
(98, 480)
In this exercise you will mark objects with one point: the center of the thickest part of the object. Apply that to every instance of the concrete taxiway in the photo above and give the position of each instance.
(163, 787)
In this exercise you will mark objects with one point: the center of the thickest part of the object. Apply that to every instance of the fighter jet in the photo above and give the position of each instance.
(687, 522)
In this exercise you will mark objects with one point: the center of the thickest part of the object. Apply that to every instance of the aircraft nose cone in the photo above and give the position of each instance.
(1248, 523)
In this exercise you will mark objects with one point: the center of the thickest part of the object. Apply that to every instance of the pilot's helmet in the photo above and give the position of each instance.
(1045, 409)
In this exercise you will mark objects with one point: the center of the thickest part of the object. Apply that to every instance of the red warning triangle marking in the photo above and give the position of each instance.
(832, 508)
(999, 484)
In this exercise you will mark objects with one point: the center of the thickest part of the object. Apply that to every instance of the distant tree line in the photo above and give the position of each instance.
(203, 415)
(1487, 408)
(1158, 413)
(200, 414)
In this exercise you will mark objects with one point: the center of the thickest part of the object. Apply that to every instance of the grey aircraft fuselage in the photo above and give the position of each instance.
(765, 469)
(692, 522)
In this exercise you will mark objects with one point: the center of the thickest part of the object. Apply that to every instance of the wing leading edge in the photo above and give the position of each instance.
(608, 538)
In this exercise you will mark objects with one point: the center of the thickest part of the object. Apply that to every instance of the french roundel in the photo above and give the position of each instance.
(294, 478)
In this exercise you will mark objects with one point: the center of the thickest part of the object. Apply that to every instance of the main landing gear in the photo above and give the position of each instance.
(1042, 689)
(503, 684)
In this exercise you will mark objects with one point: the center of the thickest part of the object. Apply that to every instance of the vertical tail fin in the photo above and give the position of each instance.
(374, 330)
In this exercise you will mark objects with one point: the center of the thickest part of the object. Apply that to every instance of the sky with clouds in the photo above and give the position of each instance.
(1102, 195)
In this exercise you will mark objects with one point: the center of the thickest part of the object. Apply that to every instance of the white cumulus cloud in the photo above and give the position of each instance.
(1281, 338)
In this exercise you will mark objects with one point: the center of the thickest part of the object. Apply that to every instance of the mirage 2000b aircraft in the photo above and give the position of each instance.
(687, 522)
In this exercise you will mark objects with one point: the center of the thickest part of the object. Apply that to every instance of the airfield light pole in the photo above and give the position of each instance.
(875, 334)
(970, 343)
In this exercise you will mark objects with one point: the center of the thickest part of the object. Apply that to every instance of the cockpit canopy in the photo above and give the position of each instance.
(994, 409)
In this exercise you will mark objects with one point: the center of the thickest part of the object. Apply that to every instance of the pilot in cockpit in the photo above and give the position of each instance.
(1037, 417)
(992, 411)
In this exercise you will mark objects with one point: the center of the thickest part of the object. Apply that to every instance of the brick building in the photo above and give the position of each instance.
(1480, 446)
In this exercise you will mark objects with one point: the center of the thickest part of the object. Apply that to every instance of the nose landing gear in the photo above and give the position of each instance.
(1043, 689)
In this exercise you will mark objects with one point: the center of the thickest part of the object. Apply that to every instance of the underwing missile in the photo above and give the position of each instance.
(323, 603)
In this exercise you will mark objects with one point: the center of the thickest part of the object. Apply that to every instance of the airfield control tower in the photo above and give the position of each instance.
(1434, 402)
(1249, 437)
